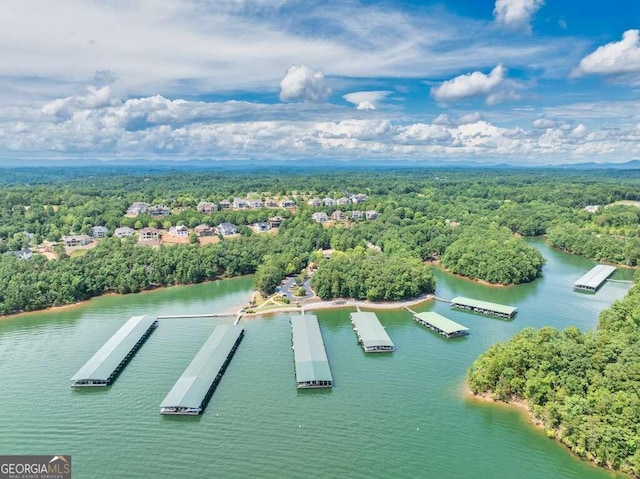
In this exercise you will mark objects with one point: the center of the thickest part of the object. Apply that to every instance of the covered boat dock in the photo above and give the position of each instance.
(440, 324)
(191, 393)
(593, 279)
(484, 307)
(371, 334)
(105, 365)
(310, 356)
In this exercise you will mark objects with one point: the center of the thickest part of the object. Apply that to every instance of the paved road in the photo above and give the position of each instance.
(288, 288)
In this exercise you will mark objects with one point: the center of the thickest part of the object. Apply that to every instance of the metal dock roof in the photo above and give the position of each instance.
(370, 331)
(192, 388)
(476, 303)
(595, 277)
(110, 356)
(312, 365)
(440, 322)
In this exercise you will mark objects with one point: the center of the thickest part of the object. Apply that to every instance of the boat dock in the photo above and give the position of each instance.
(191, 393)
(593, 279)
(105, 365)
(440, 324)
(310, 356)
(371, 335)
(484, 307)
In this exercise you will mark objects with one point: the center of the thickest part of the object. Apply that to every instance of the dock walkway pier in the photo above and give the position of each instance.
(594, 278)
(440, 324)
(371, 335)
(105, 365)
(310, 356)
(191, 393)
(484, 307)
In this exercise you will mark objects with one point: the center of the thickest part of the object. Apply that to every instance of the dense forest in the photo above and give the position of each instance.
(422, 215)
(584, 387)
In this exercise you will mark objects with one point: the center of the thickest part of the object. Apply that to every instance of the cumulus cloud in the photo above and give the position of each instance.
(493, 86)
(365, 100)
(544, 123)
(614, 58)
(93, 98)
(516, 14)
(301, 83)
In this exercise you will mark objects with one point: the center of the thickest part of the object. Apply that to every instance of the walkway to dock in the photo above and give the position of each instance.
(594, 278)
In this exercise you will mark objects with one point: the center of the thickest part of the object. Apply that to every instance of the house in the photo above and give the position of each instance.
(320, 217)
(77, 240)
(149, 234)
(138, 208)
(287, 203)
(315, 202)
(327, 253)
(337, 215)
(261, 227)
(343, 201)
(270, 203)
(225, 205)
(371, 214)
(329, 202)
(226, 229)
(255, 204)
(179, 231)
(356, 215)
(159, 210)
(204, 230)
(124, 231)
(358, 198)
(240, 204)
(275, 221)
(206, 207)
(99, 231)
(24, 254)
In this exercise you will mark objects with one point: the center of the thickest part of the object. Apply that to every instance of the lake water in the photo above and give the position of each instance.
(400, 415)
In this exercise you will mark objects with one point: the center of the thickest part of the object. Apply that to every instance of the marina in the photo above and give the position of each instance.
(311, 363)
(593, 279)
(105, 365)
(484, 307)
(371, 334)
(191, 393)
(441, 325)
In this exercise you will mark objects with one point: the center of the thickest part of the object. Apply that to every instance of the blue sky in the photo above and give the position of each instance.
(515, 81)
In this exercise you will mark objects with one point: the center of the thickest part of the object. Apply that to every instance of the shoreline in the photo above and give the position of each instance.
(474, 280)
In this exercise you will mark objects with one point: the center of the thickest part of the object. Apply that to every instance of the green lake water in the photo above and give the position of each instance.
(400, 415)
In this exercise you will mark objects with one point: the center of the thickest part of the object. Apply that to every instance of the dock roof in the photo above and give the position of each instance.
(443, 324)
(595, 277)
(308, 348)
(192, 387)
(104, 362)
(371, 332)
(476, 303)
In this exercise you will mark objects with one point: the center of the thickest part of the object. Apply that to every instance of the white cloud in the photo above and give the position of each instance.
(94, 98)
(365, 100)
(614, 58)
(516, 13)
(494, 87)
(544, 123)
(301, 83)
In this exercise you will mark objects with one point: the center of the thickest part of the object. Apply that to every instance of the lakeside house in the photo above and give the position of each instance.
(338, 215)
(358, 198)
(343, 201)
(23, 254)
(371, 214)
(275, 221)
(226, 229)
(356, 215)
(225, 205)
(315, 202)
(76, 240)
(149, 234)
(99, 231)
(159, 210)
(179, 231)
(206, 207)
(124, 231)
(328, 202)
(204, 230)
(287, 203)
(138, 208)
(270, 203)
(255, 204)
(320, 217)
(261, 227)
(240, 204)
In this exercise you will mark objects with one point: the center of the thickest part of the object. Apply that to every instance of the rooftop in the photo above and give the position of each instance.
(443, 324)
(476, 303)
(595, 277)
(308, 348)
(104, 362)
(192, 387)
(371, 332)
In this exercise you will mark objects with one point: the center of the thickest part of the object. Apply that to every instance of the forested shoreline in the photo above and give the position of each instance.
(471, 220)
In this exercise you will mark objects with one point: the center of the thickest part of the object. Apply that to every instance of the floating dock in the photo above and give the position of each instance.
(191, 393)
(371, 335)
(484, 307)
(312, 365)
(440, 324)
(592, 280)
(105, 365)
